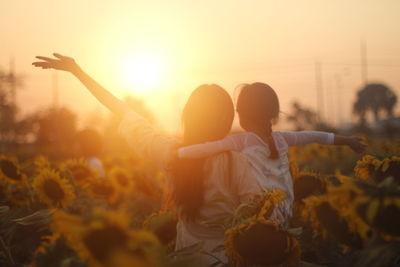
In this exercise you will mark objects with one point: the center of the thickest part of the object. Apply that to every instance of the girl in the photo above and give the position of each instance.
(258, 107)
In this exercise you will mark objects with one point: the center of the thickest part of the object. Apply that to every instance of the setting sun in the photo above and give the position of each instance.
(144, 72)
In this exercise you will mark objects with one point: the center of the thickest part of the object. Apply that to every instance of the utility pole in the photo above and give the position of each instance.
(318, 86)
(364, 63)
(339, 98)
(12, 79)
(13, 82)
(54, 80)
(330, 101)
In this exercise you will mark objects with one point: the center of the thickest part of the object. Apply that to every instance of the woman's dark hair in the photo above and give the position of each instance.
(257, 105)
(207, 116)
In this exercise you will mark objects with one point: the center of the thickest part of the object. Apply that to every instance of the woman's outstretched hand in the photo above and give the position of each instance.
(59, 63)
(64, 63)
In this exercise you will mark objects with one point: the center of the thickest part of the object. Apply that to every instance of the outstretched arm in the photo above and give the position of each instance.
(139, 133)
(209, 148)
(308, 137)
(68, 64)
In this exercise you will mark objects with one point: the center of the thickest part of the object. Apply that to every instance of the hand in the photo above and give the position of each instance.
(61, 63)
(356, 144)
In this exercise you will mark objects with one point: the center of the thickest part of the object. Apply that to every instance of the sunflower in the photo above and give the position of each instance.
(270, 202)
(379, 208)
(41, 162)
(103, 189)
(121, 178)
(260, 242)
(18, 195)
(343, 198)
(387, 219)
(327, 221)
(46, 242)
(52, 189)
(106, 238)
(366, 167)
(80, 171)
(308, 184)
(10, 171)
(390, 167)
(262, 206)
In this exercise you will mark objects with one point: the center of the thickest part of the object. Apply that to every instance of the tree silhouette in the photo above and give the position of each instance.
(375, 97)
(8, 107)
(304, 118)
(57, 127)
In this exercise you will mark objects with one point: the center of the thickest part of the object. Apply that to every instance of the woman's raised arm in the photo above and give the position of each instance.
(68, 64)
(139, 133)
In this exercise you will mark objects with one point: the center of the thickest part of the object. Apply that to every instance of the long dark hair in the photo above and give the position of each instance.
(207, 116)
(258, 104)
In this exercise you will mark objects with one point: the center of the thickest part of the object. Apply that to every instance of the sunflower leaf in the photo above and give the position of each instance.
(40, 217)
(4, 209)
(195, 248)
(295, 231)
(218, 249)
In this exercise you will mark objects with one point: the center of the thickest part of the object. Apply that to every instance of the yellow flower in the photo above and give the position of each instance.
(271, 200)
(327, 221)
(344, 199)
(80, 171)
(367, 166)
(121, 179)
(390, 168)
(307, 184)
(41, 162)
(46, 241)
(382, 214)
(103, 189)
(9, 170)
(18, 195)
(107, 240)
(260, 242)
(52, 189)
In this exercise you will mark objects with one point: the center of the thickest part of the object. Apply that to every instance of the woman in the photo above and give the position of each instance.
(203, 189)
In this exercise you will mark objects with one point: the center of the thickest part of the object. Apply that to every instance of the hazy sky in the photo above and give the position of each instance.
(219, 41)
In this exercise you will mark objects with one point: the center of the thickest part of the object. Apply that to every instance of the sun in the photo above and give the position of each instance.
(144, 72)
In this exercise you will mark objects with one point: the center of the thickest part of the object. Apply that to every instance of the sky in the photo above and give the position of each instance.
(182, 44)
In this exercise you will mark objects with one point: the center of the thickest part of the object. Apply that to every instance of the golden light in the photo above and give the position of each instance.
(145, 72)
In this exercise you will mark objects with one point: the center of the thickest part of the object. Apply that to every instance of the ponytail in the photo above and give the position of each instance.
(274, 154)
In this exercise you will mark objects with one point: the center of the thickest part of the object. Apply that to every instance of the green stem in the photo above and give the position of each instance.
(7, 251)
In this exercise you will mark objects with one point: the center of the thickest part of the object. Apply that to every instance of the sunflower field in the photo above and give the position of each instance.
(62, 213)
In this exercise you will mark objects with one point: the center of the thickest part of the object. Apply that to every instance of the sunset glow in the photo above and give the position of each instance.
(144, 72)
